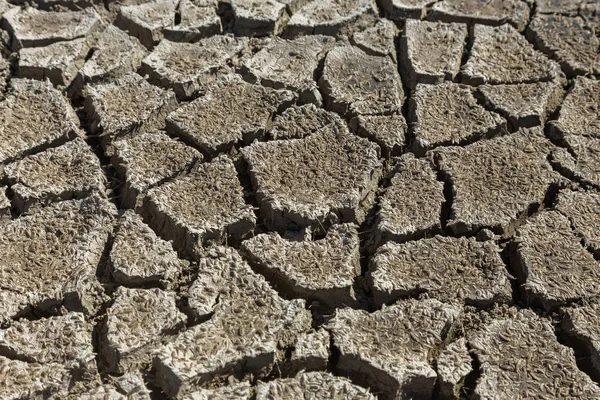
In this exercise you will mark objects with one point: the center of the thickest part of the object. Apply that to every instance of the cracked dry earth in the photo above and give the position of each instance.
(295, 199)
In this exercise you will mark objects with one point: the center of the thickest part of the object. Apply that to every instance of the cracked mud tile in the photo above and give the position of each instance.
(401, 9)
(41, 115)
(568, 40)
(147, 21)
(454, 107)
(250, 328)
(330, 17)
(390, 349)
(355, 83)
(551, 265)
(126, 106)
(199, 19)
(378, 40)
(582, 208)
(58, 62)
(31, 27)
(431, 51)
(496, 182)
(23, 380)
(139, 257)
(258, 17)
(326, 178)
(453, 367)
(44, 271)
(410, 207)
(520, 357)
(188, 68)
(148, 159)
(235, 391)
(580, 327)
(455, 270)
(486, 12)
(201, 121)
(60, 173)
(312, 385)
(65, 340)
(297, 122)
(578, 127)
(501, 54)
(134, 324)
(388, 131)
(202, 207)
(526, 104)
(114, 55)
(322, 270)
(311, 352)
(290, 64)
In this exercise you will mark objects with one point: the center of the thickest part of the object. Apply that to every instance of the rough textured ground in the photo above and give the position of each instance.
(299, 199)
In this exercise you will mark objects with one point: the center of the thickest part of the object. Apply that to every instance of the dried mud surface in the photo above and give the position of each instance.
(299, 199)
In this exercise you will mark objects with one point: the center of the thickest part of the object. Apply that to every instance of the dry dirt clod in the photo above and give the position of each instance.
(114, 54)
(58, 62)
(312, 385)
(60, 173)
(453, 366)
(431, 51)
(126, 106)
(525, 104)
(40, 114)
(23, 380)
(188, 68)
(551, 265)
(139, 257)
(297, 122)
(378, 40)
(496, 182)
(148, 159)
(322, 270)
(30, 27)
(5, 204)
(330, 17)
(49, 257)
(134, 324)
(250, 326)
(290, 64)
(388, 131)
(582, 209)
(201, 121)
(355, 83)
(147, 21)
(453, 107)
(202, 207)
(402, 9)
(501, 54)
(449, 269)
(325, 178)
(411, 206)
(486, 12)
(519, 357)
(568, 40)
(258, 17)
(390, 349)
(199, 19)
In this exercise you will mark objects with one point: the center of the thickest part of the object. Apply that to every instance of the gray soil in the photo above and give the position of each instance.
(299, 199)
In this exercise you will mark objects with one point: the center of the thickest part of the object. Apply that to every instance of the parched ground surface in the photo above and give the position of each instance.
(299, 199)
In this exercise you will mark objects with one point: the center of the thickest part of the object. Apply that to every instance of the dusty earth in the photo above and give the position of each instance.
(295, 199)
